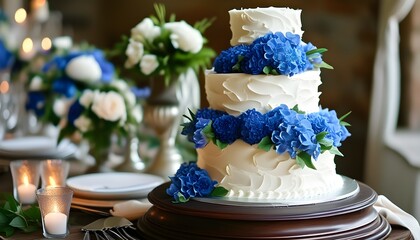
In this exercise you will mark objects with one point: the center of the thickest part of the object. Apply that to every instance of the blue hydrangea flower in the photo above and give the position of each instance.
(107, 67)
(252, 126)
(275, 117)
(189, 129)
(209, 113)
(313, 59)
(226, 128)
(257, 59)
(199, 137)
(327, 121)
(75, 110)
(295, 134)
(6, 57)
(36, 102)
(64, 86)
(227, 59)
(190, 181)
(141, 93)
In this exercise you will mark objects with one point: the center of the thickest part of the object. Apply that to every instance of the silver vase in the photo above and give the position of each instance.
(164, 119)
(132, 161)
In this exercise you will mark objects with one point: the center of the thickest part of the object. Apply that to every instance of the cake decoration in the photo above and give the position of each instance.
(286, 130)
(273, 53)
(264, 136)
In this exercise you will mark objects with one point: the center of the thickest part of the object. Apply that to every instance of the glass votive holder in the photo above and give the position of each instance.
(54, 172)
(25, 176)
(54, 204)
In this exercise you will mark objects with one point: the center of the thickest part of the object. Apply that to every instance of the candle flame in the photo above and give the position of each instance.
(27, 45)
(52, 182)
(20, 15)
(25, 179)
(38, 3)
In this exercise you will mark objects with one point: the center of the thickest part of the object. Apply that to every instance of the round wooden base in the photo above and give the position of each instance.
(350, 218)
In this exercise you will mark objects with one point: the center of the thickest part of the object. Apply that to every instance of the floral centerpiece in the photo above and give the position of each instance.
(78, 91)
(157, 48)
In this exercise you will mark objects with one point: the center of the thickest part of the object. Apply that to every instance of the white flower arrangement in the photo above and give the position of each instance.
(159, 48)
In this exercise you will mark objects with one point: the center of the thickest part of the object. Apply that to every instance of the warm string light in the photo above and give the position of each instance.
(20, 15)
(4, 87)
(27, 45)
(46, 44)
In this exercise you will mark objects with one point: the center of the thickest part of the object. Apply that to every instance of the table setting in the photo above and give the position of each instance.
(81, 179)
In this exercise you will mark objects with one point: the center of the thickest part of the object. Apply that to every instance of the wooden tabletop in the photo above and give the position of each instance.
(78, 219)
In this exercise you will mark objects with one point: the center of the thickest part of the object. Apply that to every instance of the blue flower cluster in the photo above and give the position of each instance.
(190, 181)
(287, 129)
(273, 53)
(63, 85)
(6, 57)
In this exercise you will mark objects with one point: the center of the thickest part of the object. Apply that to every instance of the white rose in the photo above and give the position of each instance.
(64, 42)
(148, 64)
(86, 98)
(61, 107)
(123, 88)
(109, 106)
(145, 30)
(134, 52)
(36, 83)
(185, 37)
(84, 68)
(83, 123)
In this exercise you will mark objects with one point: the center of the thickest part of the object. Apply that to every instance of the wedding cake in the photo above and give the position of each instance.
(264, 135)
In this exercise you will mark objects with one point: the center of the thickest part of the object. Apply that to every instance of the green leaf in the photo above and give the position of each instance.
(296, 109)
(18, 222)
(305, 158)
(343, 117)
(321, 136)
(334, 150)
(265, 144)
(221, 144)
(324, 65)
(182, 198)
(32, 213)
(316, 50)
(219, 192)
(8, 230)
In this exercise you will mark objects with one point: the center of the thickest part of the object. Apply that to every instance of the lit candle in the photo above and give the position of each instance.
(26, 191)
(55, 223)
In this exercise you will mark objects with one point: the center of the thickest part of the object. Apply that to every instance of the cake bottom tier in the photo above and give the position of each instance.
(350, 218)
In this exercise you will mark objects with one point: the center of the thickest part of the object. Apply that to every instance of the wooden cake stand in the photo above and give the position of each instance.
(350, 218)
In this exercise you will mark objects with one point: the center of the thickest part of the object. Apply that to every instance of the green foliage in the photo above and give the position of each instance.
(219, 192)
(15, 217)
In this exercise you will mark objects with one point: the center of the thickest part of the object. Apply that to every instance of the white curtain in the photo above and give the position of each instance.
(386, 83)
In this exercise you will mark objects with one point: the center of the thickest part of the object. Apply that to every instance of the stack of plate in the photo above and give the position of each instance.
(35, 147)
(104, 190)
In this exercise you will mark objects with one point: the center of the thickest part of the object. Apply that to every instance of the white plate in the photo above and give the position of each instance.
(28, 144)
(100, 203)
(35, 147)
(113, 185)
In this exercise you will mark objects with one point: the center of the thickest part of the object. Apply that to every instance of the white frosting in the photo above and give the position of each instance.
(234, 93)
(248, 24)
(249, 172)
(245, 170)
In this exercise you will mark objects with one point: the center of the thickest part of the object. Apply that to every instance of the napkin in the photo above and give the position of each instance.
(131, 209)
(397, 216)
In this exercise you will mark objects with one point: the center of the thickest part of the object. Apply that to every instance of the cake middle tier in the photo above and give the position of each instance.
(235, 93)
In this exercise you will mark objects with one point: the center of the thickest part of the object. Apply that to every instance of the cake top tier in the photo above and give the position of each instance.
(248, 24)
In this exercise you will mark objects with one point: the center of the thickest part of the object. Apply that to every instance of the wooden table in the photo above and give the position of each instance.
(79, 219)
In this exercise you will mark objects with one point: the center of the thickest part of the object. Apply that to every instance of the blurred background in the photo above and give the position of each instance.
(347, 28)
